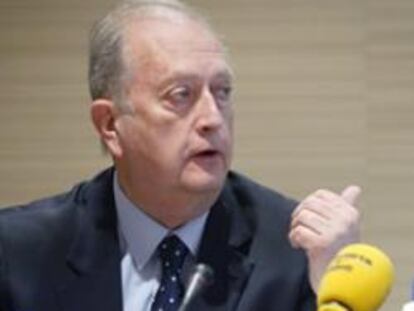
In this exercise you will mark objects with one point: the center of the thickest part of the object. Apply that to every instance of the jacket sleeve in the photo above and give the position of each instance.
(4, 292)
(307, 301)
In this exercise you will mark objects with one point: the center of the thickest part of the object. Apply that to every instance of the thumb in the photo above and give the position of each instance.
(350, 194)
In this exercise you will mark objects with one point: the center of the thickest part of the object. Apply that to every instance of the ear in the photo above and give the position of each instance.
(103, 114)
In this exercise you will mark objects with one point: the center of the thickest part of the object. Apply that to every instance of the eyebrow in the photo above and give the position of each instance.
(186, 76)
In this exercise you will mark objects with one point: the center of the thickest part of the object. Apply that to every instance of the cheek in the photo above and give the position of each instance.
(229, 137)
(166, 142)
(137, 140)
(229, 121)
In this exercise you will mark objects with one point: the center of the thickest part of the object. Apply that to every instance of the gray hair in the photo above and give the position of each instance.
(107, 68)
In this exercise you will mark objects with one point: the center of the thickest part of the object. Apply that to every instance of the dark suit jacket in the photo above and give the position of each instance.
(62, 253)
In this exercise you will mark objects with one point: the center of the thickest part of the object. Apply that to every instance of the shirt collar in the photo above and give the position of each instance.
(140, 234)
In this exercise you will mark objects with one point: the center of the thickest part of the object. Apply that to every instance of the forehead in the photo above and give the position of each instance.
(163, 45)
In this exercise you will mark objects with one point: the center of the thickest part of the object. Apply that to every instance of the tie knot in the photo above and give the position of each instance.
(172, 253)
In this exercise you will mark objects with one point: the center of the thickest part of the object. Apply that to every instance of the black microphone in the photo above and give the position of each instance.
(202, 277)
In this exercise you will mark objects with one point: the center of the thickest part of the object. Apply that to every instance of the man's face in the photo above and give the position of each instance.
(179, 136)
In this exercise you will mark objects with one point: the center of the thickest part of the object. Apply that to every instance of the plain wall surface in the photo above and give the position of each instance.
(324, 98)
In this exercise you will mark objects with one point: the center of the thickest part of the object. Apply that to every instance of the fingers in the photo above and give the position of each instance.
(323, 223)
(324, 218)
(302, 237)
(350, 194)
(321, 205)
(311, 219)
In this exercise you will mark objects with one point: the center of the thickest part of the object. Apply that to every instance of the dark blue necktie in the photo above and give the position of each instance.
(172, 254)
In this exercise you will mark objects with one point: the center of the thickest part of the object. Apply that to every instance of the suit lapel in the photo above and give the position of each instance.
(224, 247)
(93, 278)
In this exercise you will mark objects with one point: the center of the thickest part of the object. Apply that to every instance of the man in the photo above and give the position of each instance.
(162, 107)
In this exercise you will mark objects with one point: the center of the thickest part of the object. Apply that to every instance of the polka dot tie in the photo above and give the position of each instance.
(172, 253)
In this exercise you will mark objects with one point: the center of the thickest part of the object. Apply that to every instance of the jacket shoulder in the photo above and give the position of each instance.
(48, 213)
(268, 214)
(248, 192)
(35, 225)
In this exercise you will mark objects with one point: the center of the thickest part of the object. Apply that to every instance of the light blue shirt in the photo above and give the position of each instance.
(139, 237)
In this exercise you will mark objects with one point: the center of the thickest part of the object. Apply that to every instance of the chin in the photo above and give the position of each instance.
(204, 183)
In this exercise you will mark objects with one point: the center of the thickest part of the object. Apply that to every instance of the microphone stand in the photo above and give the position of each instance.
(201, 278)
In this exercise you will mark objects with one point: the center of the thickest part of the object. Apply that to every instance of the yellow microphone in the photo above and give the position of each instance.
(359, 278)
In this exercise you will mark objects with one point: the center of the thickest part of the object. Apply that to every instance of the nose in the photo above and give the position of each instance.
(210, 116)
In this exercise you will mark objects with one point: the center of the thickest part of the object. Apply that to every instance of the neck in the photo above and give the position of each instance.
(171, 209)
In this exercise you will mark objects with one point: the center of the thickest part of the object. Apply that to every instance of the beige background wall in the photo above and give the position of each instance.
(325, 97)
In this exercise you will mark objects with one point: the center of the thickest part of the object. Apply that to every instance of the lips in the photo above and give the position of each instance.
(206, 154)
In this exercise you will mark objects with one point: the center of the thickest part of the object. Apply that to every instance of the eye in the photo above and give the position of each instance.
(223, 93)
(181, 95)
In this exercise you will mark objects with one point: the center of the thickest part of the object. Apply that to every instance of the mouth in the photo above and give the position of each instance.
(207, 155)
